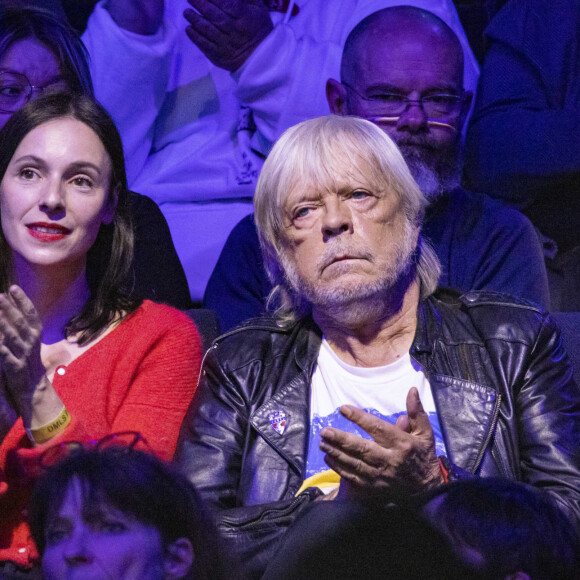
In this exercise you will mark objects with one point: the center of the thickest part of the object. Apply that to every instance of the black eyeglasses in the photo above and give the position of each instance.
(16, 90)
(436, 106)
(124, 441)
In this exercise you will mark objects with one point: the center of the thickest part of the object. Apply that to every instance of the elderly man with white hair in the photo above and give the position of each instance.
(365, 383)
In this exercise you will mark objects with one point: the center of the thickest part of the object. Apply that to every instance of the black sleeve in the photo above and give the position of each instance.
(212, 451)
(238, 287)
(548, 411)
(524, 136)
(158, 273)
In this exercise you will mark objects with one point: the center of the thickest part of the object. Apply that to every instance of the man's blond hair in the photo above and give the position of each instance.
(327, 154)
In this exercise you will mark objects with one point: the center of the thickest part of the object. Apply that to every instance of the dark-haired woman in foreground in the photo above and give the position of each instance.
(79, 359)
(120, 513)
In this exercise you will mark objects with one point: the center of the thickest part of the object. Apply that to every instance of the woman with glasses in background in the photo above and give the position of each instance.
(38, 53)
(79, 358)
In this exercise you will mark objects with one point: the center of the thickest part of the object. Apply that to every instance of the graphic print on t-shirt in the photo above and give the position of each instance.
(316, 464)
(381, 391)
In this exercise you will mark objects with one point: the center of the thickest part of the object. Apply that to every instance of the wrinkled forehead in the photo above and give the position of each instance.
(30, 57)
(334, 169)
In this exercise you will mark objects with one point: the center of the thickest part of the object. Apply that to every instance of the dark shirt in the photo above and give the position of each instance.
(158, 274)
(523, 142)
(481, 246)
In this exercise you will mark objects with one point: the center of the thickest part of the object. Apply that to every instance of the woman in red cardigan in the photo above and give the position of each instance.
(79, 359)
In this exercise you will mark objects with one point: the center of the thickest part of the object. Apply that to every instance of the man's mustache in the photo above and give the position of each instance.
(340, 251)
(416, 143)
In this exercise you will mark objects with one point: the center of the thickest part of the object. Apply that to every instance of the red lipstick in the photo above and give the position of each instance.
(47, 232)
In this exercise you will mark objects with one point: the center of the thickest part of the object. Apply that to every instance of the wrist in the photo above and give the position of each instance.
(438, 474)
(41, 406)
(46, 432)
(144, 18)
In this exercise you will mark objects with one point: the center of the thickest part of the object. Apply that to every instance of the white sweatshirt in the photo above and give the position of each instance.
(188, 126)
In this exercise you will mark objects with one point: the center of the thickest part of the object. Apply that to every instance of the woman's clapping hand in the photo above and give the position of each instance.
(20, 342)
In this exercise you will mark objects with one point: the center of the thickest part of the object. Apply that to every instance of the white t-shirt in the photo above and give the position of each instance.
(381, 391)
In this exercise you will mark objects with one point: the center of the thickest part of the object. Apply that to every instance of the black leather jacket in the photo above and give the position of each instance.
(502, 385)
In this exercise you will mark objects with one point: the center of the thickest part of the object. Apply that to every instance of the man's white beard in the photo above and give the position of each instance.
(357, 302)
(434, 179)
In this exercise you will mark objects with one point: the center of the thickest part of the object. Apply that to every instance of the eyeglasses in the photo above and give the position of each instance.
(25, 473)
(16, 90)
(438, 106)
(124, 441)
(391, 121)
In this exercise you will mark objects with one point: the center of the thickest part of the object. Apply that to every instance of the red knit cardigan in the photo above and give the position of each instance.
(139, 377)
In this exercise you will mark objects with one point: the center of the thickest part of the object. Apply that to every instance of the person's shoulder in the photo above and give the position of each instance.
(480, 316)
(502, 214)
(261, 338)
(470, 302)
(140, 202)
(490, 211)
(144, 210)
(246, 225)
(154, 318)
(522, 22)
(490, 299)
(244, 231)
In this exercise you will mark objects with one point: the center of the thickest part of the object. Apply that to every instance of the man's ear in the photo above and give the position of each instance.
(336, 97)
(178, 559)
(111, 207)
(466, 105)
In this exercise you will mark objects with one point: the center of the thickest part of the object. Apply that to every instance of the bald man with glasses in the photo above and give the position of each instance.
(402, 69)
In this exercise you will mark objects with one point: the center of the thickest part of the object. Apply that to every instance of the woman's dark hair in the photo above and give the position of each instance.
(138, 485)
(22, 23)
(109, 260)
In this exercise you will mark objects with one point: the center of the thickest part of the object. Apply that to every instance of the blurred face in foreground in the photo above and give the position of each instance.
(100, 542)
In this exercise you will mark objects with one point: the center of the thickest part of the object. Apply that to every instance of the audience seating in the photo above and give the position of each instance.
(207, 325)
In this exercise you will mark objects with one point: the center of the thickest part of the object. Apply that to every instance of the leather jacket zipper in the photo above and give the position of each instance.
(489, 433)
(494, 418)
(212, 347)
(278, 512)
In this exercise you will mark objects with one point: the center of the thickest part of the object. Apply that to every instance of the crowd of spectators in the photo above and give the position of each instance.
(378, 229)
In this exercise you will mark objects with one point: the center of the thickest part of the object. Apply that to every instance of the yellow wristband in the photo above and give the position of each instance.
(48, 431)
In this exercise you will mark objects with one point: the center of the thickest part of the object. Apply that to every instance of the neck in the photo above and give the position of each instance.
(374, 336)
(58, 294)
